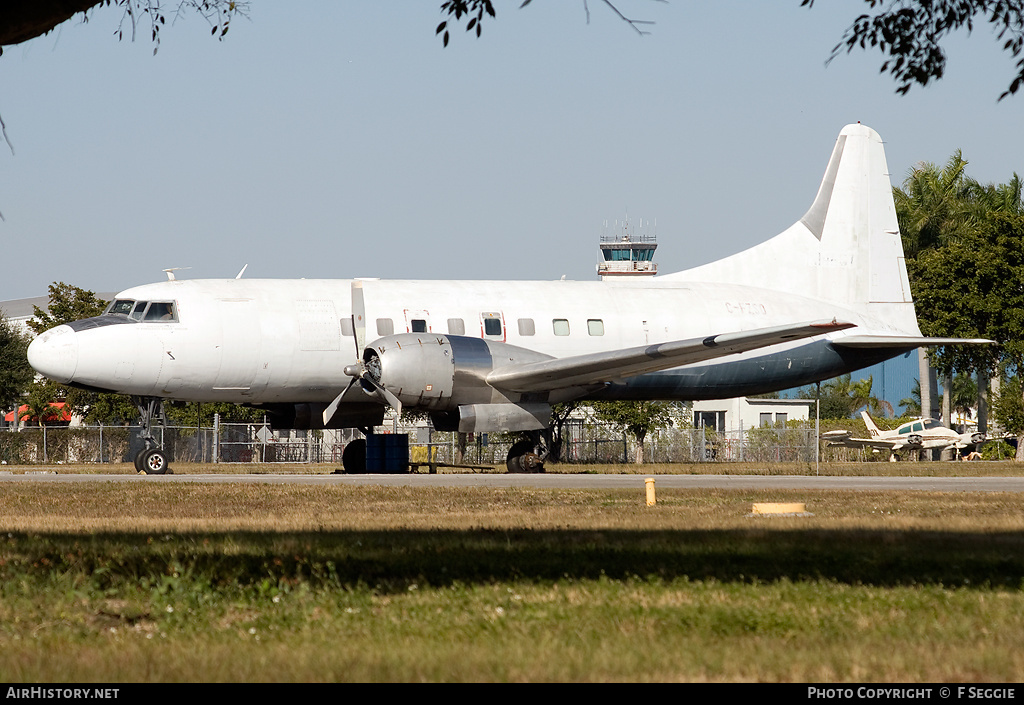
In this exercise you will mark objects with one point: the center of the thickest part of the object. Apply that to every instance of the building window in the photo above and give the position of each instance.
(595, 326)
(560, 326)
(714, 420)
(766, 420)
(526, 326)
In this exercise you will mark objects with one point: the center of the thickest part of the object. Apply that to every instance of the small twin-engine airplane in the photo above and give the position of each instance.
(919, 434)
(827, 296)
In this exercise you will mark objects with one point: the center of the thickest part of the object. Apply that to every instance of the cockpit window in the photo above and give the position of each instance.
(160, 311)
(121, 306)
(143, 310)
(140, 308)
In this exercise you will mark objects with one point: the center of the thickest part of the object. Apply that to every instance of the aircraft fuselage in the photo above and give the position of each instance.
(288, 341)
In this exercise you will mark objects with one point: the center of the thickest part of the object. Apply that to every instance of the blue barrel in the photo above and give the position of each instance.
(396, 452)
(375, 453)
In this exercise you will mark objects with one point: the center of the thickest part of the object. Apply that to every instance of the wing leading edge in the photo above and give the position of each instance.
(598, 368)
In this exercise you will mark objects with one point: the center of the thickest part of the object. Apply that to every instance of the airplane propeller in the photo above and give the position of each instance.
(369, 379)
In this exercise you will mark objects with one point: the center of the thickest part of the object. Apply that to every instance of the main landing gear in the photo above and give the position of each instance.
(151, 460)
(526, 455)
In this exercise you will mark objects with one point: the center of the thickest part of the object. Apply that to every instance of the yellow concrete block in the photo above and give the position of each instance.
(779, 508)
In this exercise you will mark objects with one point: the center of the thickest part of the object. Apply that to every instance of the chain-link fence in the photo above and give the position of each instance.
(584, 443)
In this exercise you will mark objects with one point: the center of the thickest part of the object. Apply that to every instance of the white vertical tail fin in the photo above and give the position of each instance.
(872, 428)
(846, 249)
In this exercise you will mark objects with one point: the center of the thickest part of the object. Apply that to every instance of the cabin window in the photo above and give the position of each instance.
(560, 326)
(161, 311)
(456, 326)
(385, 326)
(418, 325)
(526, 326)
(346, 327)
(595, 326)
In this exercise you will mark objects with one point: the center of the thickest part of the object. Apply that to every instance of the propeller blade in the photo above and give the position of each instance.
(358, 318)
(333, 407)
(392, 400)
(372, 387)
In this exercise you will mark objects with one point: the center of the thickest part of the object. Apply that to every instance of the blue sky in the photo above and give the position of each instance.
(340, 139)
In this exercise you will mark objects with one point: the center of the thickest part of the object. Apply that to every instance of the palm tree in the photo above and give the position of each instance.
(850, 397)
(1000, 198)
(912, 404)
(863, 397)
(963, 394)
(936, 205)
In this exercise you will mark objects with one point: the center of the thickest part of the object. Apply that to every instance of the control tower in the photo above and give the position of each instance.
(627, 251)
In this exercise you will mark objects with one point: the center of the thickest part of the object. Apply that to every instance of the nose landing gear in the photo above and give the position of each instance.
(151, 460)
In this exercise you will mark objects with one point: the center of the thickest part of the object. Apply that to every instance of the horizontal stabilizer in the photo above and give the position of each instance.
(903, 341)
(598, 368)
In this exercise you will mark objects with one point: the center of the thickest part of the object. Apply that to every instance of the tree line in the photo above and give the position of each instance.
(964, 243)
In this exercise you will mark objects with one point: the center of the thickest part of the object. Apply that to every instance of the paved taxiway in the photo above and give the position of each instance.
(568, 481)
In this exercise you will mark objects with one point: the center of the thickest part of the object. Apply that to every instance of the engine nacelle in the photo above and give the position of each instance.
(442, 372)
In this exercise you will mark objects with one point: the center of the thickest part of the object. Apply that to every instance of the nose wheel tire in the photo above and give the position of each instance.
(152, 462)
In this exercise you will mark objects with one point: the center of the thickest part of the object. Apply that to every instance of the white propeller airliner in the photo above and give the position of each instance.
(827, 296)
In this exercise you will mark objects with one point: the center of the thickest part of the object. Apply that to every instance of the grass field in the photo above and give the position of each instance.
(111, 582)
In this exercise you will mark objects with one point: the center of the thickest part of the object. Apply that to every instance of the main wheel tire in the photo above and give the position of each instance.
(353, 458)
(522, 458)
(153, 462)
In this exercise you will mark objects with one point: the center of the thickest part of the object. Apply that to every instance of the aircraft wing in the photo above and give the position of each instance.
(878, 443)
(598, 368)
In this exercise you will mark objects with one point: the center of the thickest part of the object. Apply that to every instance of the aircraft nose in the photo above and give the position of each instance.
(54, 354)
